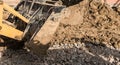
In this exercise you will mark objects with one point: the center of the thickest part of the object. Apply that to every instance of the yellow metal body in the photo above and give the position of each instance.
(15, 13)
(7, 30)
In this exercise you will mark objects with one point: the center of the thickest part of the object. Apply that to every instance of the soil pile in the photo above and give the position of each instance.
(90, 21)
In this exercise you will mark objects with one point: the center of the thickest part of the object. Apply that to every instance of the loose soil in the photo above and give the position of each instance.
(93, 22)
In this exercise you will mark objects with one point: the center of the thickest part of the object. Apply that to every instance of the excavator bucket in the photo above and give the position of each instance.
(39, 21)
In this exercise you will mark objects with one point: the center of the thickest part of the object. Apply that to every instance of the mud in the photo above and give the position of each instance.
(90, 21)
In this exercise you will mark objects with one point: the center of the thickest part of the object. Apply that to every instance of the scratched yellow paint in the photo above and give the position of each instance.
(9, 31)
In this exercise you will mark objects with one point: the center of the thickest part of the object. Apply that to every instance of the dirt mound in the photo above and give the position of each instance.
(96, 22)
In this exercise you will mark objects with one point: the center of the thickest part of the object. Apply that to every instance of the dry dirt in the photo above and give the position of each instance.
(90, 22)
(88, 35)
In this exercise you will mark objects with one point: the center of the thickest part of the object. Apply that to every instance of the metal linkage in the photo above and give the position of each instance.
(7, 30)
(37, 14)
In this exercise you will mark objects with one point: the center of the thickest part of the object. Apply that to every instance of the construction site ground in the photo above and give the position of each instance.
(88, 35)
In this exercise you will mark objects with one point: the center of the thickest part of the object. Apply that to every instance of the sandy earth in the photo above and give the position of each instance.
(89, 35)
(95, 22)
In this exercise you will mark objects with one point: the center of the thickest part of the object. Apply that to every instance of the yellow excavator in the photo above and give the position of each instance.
(31, 23)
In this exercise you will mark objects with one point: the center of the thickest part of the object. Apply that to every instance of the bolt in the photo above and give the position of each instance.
(18, 37)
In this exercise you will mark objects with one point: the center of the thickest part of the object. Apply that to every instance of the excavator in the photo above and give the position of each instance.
(31, 24)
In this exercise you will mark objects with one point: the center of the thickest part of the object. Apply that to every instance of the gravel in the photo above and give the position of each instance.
(65, 54)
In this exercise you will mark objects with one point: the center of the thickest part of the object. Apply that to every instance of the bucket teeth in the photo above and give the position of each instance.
(37, 48)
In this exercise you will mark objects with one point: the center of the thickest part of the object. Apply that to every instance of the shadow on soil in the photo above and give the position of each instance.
(70, 2)
(89, 54)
